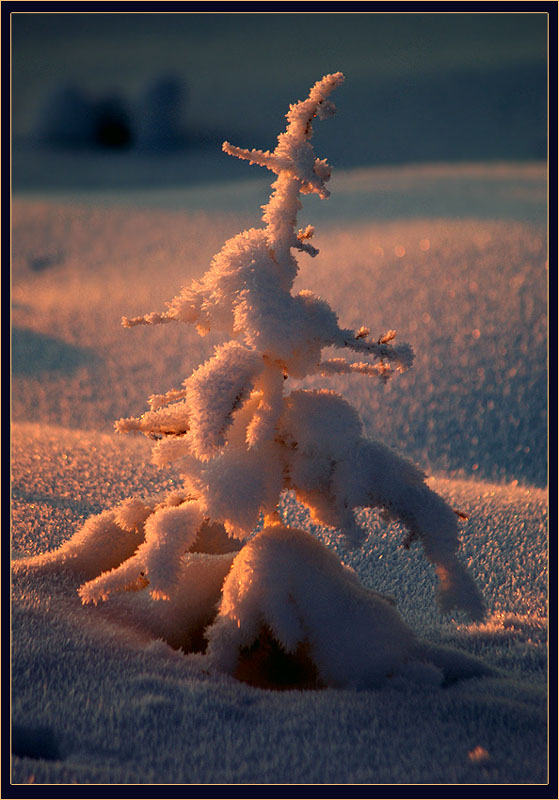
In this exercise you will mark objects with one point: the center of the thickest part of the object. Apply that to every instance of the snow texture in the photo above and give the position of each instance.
(108, 689)
(114, 687)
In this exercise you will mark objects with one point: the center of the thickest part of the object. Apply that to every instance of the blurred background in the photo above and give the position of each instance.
(144, 100)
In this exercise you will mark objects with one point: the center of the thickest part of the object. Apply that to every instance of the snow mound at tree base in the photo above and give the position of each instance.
(289, 606)
(283, 612)
(266, 665)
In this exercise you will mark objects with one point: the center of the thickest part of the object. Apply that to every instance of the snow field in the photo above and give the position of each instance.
(122, 706)
(101, 682)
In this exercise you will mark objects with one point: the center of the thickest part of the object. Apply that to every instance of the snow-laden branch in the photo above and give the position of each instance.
(402, 355)
(339, 366)
(294, 156)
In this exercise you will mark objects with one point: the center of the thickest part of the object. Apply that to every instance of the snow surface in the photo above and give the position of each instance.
(454, 259)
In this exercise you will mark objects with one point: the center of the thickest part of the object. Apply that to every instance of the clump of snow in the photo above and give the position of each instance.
(286, 582)
(336, 475)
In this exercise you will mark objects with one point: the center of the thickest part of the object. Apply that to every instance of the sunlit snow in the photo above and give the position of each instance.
(123, 691)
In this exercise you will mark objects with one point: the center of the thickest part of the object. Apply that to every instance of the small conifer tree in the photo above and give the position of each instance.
(241, 440)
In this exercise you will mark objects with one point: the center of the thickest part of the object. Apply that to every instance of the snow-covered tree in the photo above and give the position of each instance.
(241, 440)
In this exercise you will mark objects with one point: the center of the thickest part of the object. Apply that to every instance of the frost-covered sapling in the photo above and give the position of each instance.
(241, 440)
